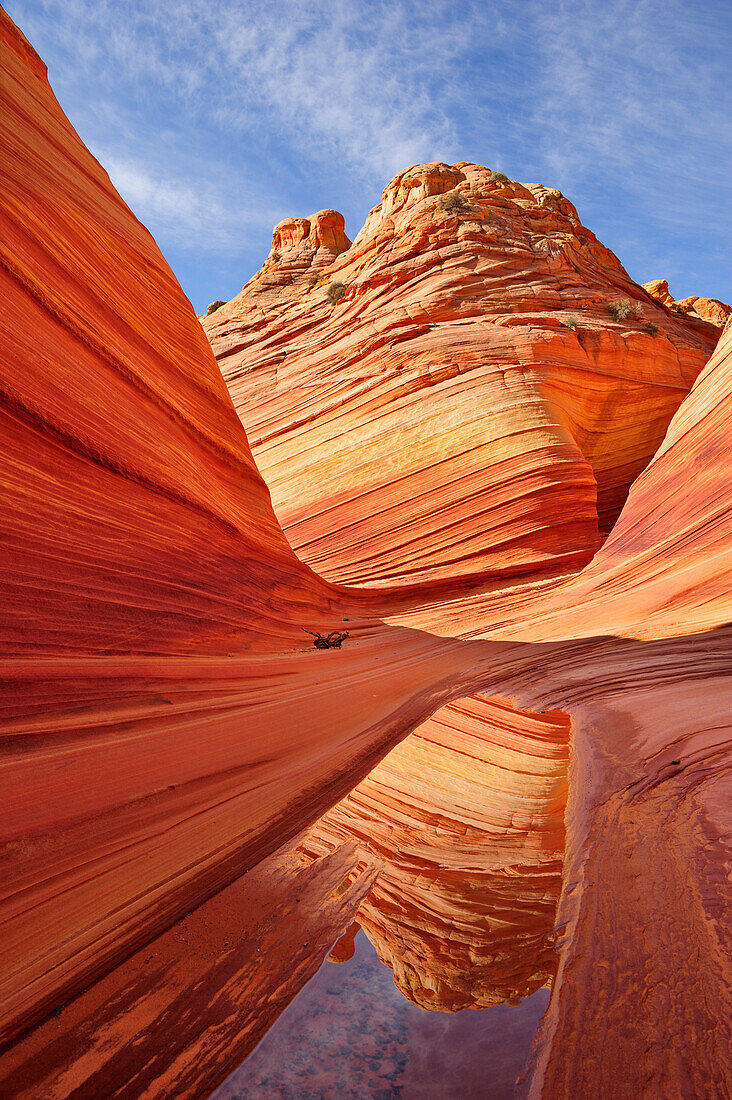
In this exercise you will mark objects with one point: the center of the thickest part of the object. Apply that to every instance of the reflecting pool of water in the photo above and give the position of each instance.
(351, 1035)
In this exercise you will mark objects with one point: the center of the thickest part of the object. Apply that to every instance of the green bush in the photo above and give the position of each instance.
(622, 309)
(335, 292)
(570, 322)
(651, 328)
(499, 177)
(214, 306)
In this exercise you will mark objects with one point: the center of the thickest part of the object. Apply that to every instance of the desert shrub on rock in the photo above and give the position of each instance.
(454, 203)
(335, 292)
(622, 309)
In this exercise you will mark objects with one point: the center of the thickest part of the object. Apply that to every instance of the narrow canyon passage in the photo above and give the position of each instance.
(175, 751)
(442, 421)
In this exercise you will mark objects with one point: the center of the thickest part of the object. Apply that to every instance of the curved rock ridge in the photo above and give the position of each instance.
(152, 638)
(707, 309)
(469, 406)
(168, 731)
(501, 246)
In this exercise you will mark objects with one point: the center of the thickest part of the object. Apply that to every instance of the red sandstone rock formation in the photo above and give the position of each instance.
(301, 249)
(152, 642)
(165, 727)
(482, 415)
(645, 918)
(441, 420)
(708, 309)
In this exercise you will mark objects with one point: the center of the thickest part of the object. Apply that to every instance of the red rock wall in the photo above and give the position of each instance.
(152, 646)
(645, 916)
(163, 731)
(440, 419)
(469, 460)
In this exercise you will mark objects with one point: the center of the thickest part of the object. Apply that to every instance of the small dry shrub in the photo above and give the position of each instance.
(214, 306)
(651, 328)
(335, 292)
(499, 177)
(622, 309)
(570, 322)
(454, 203)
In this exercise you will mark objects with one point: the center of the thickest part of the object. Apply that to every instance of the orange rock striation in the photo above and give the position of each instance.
(497, 351)
(166, 727)
(152, 644)
(645, 920)
(469, 406)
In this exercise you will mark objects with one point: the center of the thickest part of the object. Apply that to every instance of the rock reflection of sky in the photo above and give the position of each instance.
(350, 1035)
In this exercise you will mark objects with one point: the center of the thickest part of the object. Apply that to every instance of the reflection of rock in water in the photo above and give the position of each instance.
(466, 820)
(350, 1033)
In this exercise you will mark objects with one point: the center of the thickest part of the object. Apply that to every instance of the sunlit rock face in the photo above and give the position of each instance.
(169, 734)
(301, 249)
(707, 309)
(469, 405)
(648, 815)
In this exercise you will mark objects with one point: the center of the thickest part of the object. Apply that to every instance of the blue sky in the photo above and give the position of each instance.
(216, 118)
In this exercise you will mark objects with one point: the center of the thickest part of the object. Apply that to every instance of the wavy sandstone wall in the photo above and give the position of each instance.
(440, 420)
(167, 727)
(435, 404)
(152, 645)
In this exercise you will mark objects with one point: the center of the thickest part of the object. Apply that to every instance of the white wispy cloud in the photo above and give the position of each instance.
(349, 83)
(196, 213)
(354, 79)
(217, 117)
(621, 88)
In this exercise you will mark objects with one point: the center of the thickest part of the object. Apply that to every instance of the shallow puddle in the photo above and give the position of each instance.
(351, 1035)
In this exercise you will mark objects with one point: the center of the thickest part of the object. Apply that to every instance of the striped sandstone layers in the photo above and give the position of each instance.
(460, 399)
(168, 733)
(152, 645)
(469, 406)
